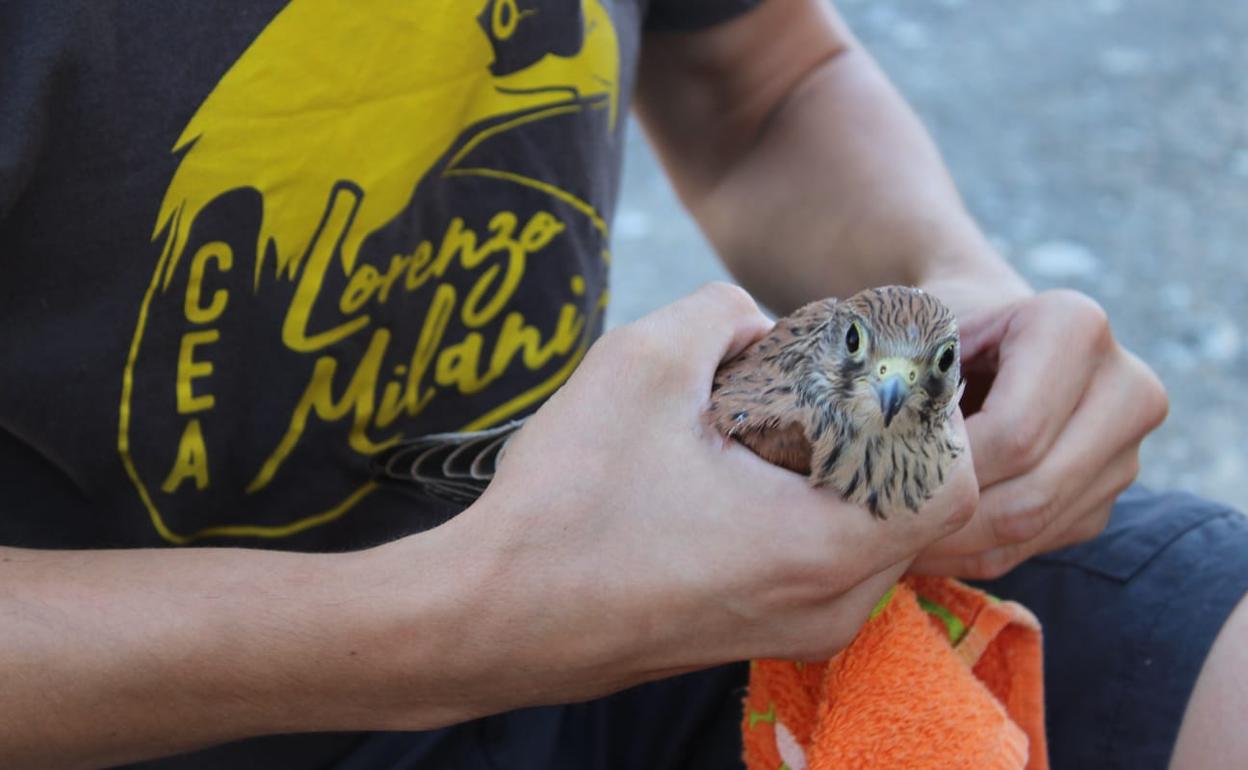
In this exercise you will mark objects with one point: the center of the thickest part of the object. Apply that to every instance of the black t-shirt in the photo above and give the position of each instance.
(244, 245)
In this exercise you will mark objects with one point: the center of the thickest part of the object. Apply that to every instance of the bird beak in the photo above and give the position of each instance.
(892, 391)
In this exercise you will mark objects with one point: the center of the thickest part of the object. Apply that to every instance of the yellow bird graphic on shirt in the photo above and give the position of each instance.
(327, 87)
(345, 120)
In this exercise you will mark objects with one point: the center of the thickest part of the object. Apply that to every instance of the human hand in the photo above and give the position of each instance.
(623, 539)
(1057, 438)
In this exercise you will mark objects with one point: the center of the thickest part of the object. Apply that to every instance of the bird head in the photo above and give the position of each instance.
(892, 356)
(855, 393)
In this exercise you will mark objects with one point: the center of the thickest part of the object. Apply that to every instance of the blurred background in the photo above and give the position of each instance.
(1103, 145)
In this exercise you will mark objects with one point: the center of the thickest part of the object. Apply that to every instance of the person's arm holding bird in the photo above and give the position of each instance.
(622, 540)
(812, 178)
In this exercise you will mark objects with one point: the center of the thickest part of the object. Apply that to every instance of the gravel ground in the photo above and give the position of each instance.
(1103, 144)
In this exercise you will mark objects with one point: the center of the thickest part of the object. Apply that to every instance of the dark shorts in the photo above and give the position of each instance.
(1128, 620)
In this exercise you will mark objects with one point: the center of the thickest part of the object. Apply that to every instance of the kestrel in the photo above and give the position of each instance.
(857, 394)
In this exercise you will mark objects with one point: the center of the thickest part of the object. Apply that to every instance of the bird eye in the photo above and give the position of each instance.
(853, 338)
(945, 361)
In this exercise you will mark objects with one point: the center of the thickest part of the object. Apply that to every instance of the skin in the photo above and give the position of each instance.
(865, 200)
(874, 420)
(853, 211)
(812, 178)
(504, 606)
(1212, 735)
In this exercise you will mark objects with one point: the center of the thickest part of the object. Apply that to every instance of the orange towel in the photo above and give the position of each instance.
(941, 676)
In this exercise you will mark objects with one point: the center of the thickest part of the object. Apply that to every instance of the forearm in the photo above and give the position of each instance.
(833, 187)
(114, 656)
(845, 189)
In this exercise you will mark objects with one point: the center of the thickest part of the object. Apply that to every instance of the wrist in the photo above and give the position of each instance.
(418, 632)
(970, 275)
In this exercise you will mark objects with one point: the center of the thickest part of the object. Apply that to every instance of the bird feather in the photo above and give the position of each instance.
(798, 397)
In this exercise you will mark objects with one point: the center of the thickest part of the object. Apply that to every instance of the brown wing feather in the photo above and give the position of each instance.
(754, 397)
(776, 398)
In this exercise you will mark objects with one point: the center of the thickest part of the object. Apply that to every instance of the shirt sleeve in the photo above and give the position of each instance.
(689, 15)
